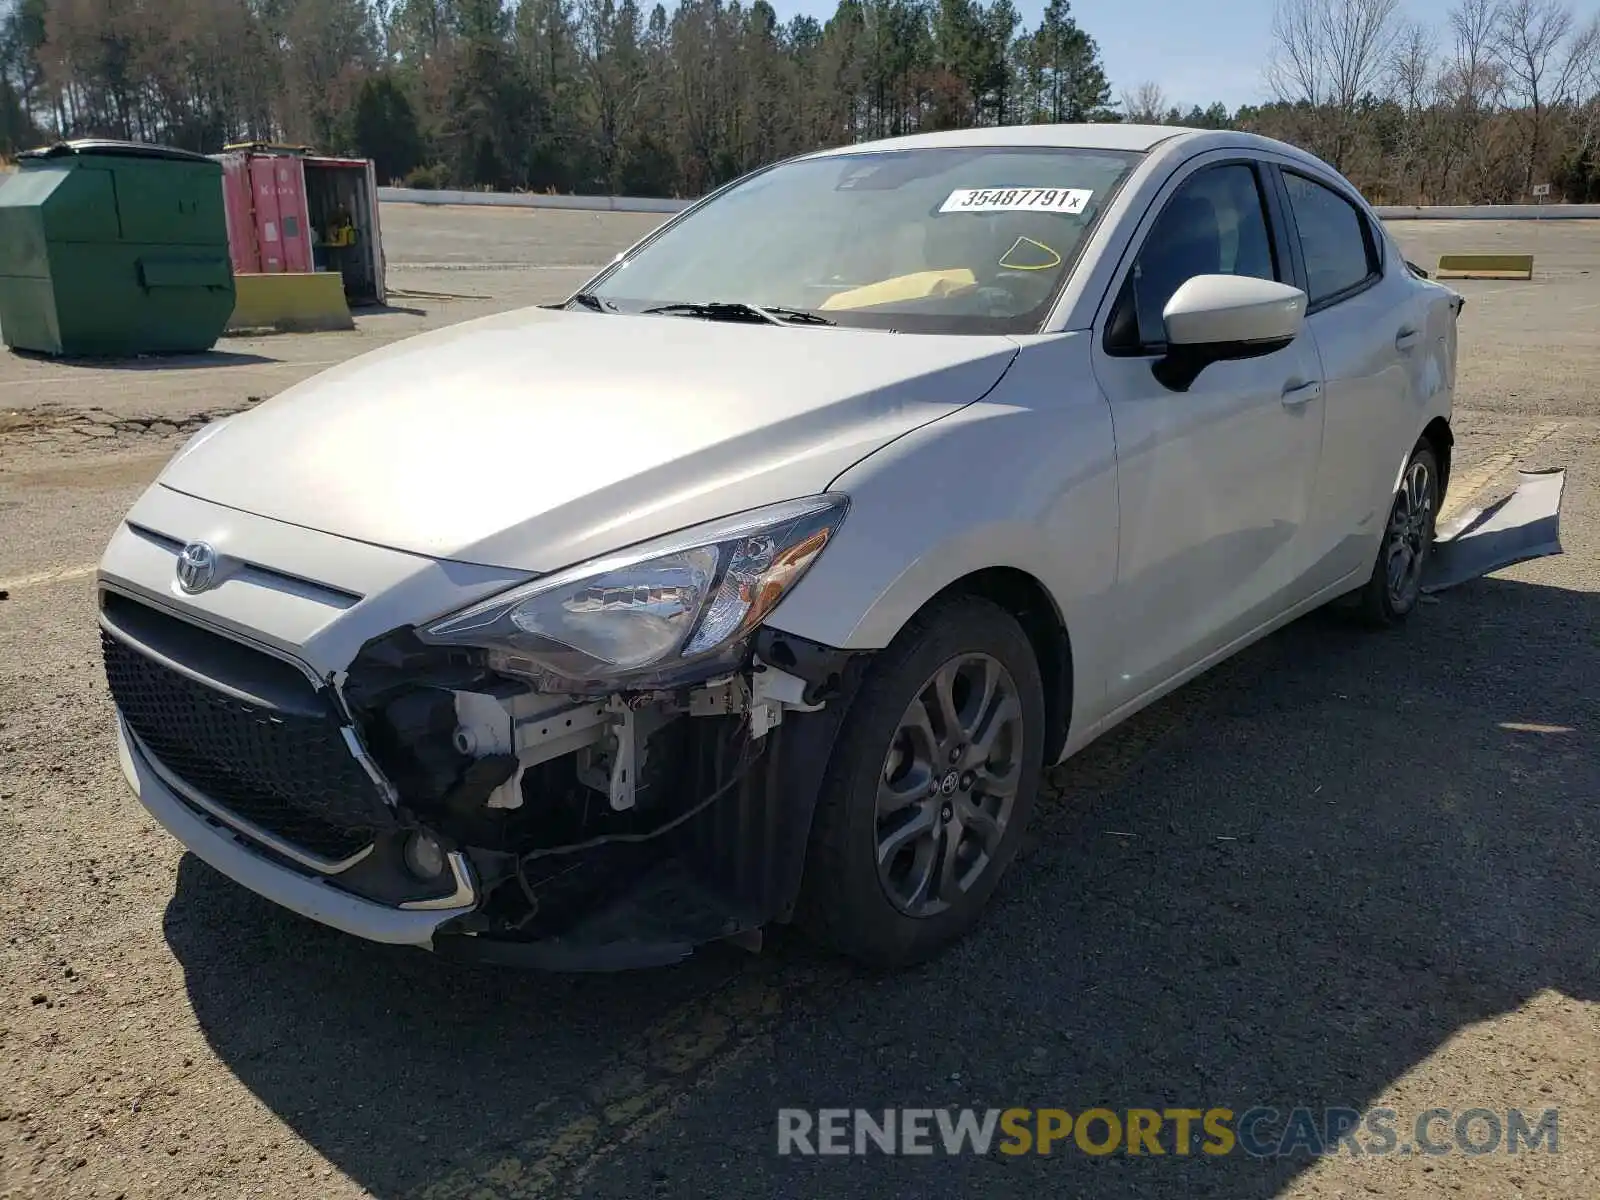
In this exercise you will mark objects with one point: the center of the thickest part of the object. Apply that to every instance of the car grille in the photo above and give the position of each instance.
(277, 759)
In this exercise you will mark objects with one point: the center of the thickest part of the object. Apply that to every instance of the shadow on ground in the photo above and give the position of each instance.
(208, 359)
(1412, 851)
(383, 310)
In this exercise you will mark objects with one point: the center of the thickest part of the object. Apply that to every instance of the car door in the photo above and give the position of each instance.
(1213, 483)
(1368, 326)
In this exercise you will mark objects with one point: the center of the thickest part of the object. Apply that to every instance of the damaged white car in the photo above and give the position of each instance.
(762, 579)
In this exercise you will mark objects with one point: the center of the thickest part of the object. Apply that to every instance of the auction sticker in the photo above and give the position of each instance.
(1060, 200)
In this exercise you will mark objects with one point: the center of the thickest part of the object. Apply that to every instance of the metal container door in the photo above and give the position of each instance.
(282, 225)
(242, 233)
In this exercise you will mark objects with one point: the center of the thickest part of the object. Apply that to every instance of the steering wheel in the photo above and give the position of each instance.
(1007, 291)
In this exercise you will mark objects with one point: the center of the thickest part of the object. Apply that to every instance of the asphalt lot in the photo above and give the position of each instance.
(1343, 869)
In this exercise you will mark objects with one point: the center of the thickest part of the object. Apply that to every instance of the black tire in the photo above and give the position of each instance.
(845, 903)
(1381, 605)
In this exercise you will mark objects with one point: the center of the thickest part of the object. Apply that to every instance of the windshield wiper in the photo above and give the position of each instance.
(591, 301)
(739, 310)
(797, 316)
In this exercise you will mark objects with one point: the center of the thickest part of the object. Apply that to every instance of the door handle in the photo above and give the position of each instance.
(1405, 339)
(1305, 393)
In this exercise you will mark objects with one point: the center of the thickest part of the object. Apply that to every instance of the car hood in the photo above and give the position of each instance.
(536, 438)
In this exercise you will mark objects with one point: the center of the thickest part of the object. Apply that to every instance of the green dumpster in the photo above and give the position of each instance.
(113, 248)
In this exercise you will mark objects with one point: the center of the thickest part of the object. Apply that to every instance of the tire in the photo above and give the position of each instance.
(1408, 534)
(875, 917)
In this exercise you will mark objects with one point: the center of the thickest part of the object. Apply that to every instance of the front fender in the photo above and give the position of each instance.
(862, 597)
(1024, 479)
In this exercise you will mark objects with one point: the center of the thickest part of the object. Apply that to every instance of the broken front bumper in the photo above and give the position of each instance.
(247, 863)
(261, 726)
(726, 874)
(291, 804)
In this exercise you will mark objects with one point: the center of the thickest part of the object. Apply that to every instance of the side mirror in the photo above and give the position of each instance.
(1218, 318)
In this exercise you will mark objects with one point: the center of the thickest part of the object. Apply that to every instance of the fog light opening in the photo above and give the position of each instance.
(424, 856)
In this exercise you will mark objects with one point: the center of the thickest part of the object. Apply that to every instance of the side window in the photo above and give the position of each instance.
(1334, 239)
(1215, 224)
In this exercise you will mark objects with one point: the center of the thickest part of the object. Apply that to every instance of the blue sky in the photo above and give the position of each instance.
(1197, 50)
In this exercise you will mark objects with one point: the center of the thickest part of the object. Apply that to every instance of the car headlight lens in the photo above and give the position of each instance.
(657, 612)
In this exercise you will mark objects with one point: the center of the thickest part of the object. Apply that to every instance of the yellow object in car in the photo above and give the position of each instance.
(1028, 254)
(919, 285)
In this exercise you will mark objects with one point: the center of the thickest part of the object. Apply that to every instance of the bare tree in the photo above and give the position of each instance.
(1413, 66)
(1413, 84)
(1586, 94)
(1543, 60)
(1473, 79)
(1146, 104)
(1472, 57)
(1332, 55)
(1589, 56)
(1470, 89)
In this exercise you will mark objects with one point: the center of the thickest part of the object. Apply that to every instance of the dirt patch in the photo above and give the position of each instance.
(51, 432)
(106, 471)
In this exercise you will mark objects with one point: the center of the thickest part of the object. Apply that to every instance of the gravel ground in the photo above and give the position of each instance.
(1340, 870)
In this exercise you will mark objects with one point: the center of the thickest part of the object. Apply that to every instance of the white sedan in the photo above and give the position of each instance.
(762, 579)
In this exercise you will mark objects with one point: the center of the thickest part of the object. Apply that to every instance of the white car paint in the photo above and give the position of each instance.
(1169, 528)
(534, 439)
(1234, 512)
(1233, 308)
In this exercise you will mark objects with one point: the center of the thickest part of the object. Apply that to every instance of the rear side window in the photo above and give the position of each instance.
(1215, 224)
(1338, 247)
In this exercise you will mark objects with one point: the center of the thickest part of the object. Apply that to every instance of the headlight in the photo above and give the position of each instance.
(666, 610)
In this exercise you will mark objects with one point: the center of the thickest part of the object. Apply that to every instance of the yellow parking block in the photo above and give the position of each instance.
(1485, 266)
(290, 302)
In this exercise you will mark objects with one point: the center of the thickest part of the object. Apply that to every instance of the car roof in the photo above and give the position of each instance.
(1107, 136)
(1098, 136)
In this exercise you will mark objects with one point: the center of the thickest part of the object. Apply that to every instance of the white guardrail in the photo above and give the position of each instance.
(627, 204)
(1489, 212)
(638, 204)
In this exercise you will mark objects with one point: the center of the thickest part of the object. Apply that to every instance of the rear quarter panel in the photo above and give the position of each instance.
(1433, 308)
(1025, 478)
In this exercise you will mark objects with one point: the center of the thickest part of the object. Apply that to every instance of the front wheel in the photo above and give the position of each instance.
(1396, 582)
(929, 787)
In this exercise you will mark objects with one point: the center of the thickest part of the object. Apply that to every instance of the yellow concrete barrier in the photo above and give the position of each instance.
(1485, 266)
(290, 302)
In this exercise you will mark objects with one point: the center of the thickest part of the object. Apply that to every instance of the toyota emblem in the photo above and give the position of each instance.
(197, 567)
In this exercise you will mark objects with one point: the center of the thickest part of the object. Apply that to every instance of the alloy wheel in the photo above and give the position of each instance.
(949, 784)
(1410, 528)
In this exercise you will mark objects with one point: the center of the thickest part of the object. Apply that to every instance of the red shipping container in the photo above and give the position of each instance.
(289, 210)
(268, 224)
(282, 222)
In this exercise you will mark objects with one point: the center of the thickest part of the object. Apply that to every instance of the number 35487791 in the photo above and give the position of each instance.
(1034, 199)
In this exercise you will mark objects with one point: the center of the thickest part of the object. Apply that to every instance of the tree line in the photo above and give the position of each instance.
(609, 96)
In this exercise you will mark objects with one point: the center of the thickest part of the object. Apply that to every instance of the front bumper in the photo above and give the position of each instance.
(308, 894)
(231, 735)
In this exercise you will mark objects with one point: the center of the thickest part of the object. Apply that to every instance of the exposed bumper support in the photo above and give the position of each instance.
(305, 894)
(638, 901)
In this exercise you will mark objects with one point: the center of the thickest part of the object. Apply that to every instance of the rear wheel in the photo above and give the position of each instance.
(1396, 582)
(929, 788)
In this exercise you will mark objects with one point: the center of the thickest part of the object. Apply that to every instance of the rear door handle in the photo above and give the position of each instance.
(1405, 339)
(1294, 397)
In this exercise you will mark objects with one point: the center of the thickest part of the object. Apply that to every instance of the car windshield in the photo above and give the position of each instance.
(944, 240)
